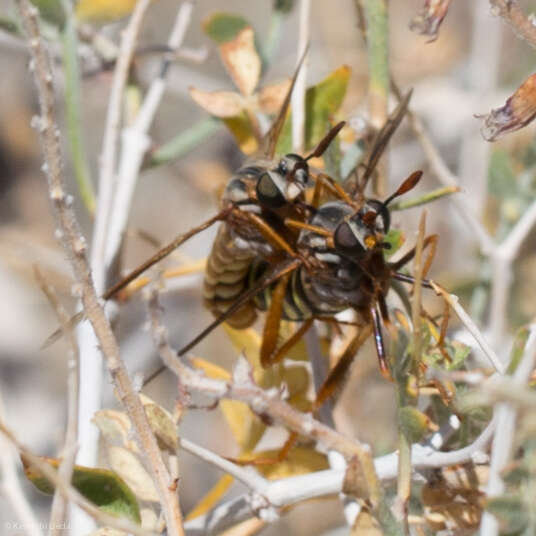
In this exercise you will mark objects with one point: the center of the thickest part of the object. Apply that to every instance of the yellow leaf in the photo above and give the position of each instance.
(130, 469)
(242, 61)
(103, 10)
(245, 426)
(242, 130)
(211, 497)
(365, 525)
(219, 103)
(300, 461)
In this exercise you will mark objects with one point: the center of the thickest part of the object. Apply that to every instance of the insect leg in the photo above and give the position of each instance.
(271, 277)
(432, 239)
(278, 354)
(269, 234)
(164, 252)
(378, 340)
(338, 374)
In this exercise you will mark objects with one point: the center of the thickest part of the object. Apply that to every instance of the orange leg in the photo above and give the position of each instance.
(269, 234)
(338, 374)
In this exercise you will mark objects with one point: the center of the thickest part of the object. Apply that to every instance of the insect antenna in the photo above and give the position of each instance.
(382, 139)
(325, 142)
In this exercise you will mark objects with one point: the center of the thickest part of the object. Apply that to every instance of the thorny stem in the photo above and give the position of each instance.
(75, 247)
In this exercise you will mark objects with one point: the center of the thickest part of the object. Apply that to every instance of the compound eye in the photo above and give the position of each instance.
(346, 240)
(268, 193)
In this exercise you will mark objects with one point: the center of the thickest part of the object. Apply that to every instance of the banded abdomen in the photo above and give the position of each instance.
(226, 277)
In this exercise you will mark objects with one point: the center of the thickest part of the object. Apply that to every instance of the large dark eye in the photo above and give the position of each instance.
(346, 240)
(268, 192)
(383, 218)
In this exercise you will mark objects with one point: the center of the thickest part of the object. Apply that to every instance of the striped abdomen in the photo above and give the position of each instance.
(226, 277)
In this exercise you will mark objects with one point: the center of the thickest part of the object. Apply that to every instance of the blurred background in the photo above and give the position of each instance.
(468, 70)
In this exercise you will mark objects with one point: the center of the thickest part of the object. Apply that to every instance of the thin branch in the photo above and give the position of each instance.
(448, 179)
(250, 479)
(107, 179)
(298, 95)
(289, 491)
(262, 403)
(513, 15)
(68, 491)
(75, 247)
(505, 414)
(453, 301)
(10, 487)
(135, 138)
(65, 471)
(91, 359)
(377, 38)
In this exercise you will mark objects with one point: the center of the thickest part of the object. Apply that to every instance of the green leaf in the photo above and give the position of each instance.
(8, 25)
(413, 423)
(518, 348)
(223, 27)
(396, 238)
(284, 6)
(352, 157)
(51, 11)
(322, 101)
(102, 487)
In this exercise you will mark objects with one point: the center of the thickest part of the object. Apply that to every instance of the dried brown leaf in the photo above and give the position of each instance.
(271, 97)
(242, 61)
(366, 525)
(518, 111)
(429, 19)
(218, 103)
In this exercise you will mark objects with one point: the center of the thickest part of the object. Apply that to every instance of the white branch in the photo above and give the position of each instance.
(505, 414)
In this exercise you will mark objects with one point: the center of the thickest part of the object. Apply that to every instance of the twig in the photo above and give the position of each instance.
(136, 141)
(250, 479)
(377, 37)
(75, 247)
(107, 179)
(452, 300)
(73, 108)
(68, 491)
(65, 471)
(298, 95)
(289, 491)
(448, 179)
(513, 15)
(505, 414)
(11, 489)
(91, 359)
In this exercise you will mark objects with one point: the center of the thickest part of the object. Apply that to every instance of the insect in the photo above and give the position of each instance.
(255, 203)
(310, 283)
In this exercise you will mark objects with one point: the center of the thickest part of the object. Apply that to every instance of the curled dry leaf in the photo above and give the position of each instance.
(129, 467)
(219, 103)
(518, 111)
(242, 61)
(429, 19)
